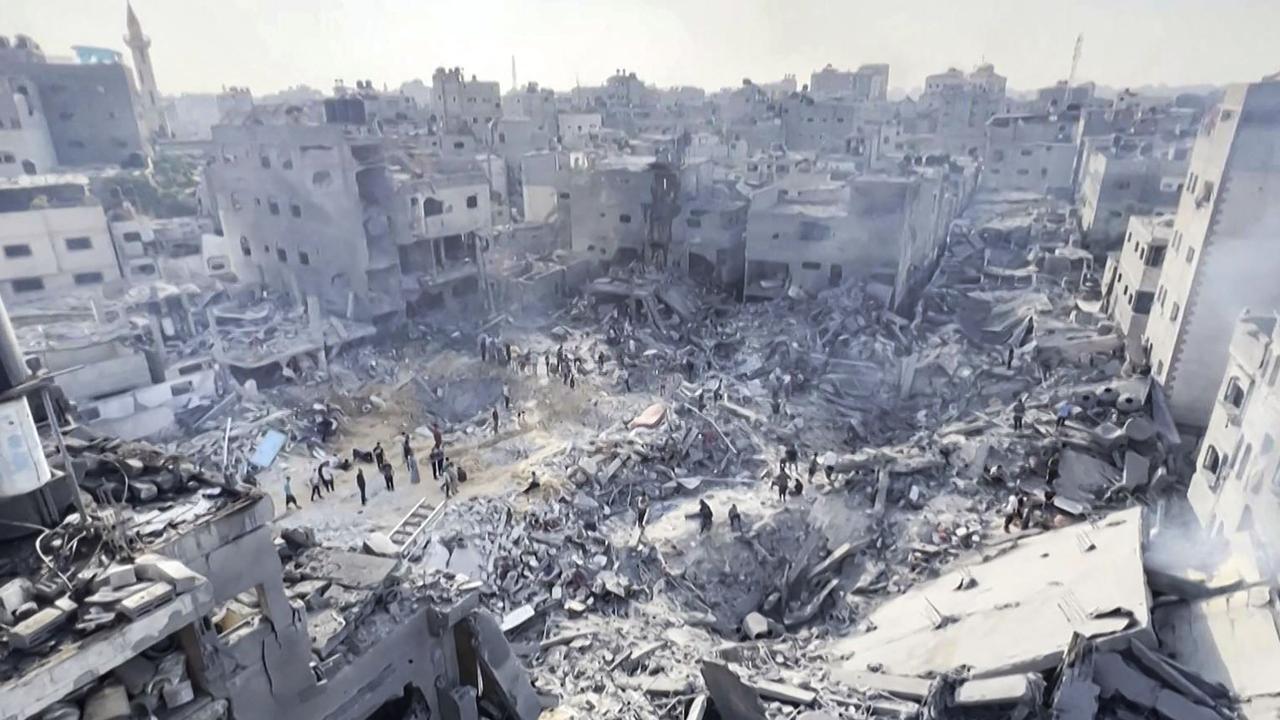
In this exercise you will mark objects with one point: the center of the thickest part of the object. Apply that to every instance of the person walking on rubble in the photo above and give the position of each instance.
(493, 415)
(325, 480)
(389, 476)
(735, 518)
(506, 396)
(289, 497)
(1008, 361)
(781, 482)
(813, 467)
(437, 437)
(1012, 511)
(379, 455)
(546, 361)
(406, 446)
(450, 480)
(1064, 412)
(705, 516)
(484, 348)
(316, 494)
(437, 461)
(642, 512)
(792, 454)
(364, 498)
(1019, 410)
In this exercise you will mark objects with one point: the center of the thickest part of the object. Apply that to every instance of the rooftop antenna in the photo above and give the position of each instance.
(1075, 60)
(514, 84)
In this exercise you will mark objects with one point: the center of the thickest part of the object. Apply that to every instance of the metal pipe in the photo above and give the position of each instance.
(13, 369)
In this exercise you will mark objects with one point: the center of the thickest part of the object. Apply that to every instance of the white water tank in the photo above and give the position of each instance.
(22, 464)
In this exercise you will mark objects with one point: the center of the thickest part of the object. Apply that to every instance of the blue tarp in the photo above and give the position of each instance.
(268, 448)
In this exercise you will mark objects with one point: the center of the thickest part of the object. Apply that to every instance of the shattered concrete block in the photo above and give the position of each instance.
(513, 620)
(178, 694)
(61, 711)
(783, 693)
(16, 593)
(135, 673)
(1001, 690)
(376, 543)
(145, 600)
(697, 708)
(732, 697)
(110, 702)
(114, 577)
(36, 629)
(460, 703)
(163, 569)
(755, 626)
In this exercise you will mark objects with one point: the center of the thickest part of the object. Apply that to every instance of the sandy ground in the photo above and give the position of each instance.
(555, 415)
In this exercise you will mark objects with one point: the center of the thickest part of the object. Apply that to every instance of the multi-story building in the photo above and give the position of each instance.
(578, 130)
(959, 106)
(54, 238)
(1126, 177)
(460, 103)
(26, 147)
(308, 209)
(1235, 489)
(869, 83)
(622, 208)
(810, 124)
(811, 232)
(88, 109)
(1132, 275)
(709, 237)
(532, 102)
(1221, 259)
(1030, 153)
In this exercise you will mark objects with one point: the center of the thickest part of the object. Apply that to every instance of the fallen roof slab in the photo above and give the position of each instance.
(1030, 596)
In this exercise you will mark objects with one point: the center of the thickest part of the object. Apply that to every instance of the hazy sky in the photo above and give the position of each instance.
(201, 45)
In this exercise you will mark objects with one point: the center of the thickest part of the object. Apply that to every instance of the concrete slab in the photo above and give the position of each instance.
(1086, 578)
(732, 697)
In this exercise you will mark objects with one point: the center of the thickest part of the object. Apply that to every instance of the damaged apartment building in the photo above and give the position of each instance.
(812, 232)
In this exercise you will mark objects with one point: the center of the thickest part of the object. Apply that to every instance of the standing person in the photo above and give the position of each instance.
(642, 512)
(1012, 511)
(289, 497)
(1019, 410)
(436, 436)
(1064, 412)
(364, 498)
(573, 381)
(450, 480)
(415, 473)
(792, 456)
(626, 379)
(379, 455)
(506, 396)
(407, 447)
(484, 348)
(781, 482)
(735, 518)
(1008, 362)
(813, 467)
(493, 415)
(325, 480)
(315, 489)
(705, 516)
(389, 476)
(546, 361)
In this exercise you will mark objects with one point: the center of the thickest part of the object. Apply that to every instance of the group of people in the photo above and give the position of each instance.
(706, 516)
(442, 469)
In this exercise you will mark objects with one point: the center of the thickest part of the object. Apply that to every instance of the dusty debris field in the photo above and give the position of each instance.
(904, 456)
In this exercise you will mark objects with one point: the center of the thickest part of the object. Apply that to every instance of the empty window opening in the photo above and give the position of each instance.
(88, 278)
(79, 243)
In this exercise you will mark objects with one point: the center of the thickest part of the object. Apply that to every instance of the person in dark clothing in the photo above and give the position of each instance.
(1008, 361)
(325, 479)
(484, 349)
(798, 488)
(573, 381)
(408, 450)
(462, 474)
(364, 498)
(735, 518)
(1019, 410)
(813, 467)
(379, 455)
(781, 482)
(289, 497)
(829, 471)
(506, 396)
(705, 516)
(493, 415)
(546, 361)
(437, 437)
(389, 476)
(1051, 469)
(600, 360)
(793, 456)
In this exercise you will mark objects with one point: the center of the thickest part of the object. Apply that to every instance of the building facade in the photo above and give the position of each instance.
(54, 238)
(1132, 276)
(1221, 259)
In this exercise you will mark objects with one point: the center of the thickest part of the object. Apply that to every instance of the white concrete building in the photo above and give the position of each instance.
(1222, 258)
(460, 103)
(1029, 153)
(1235, 490)
(1132, 276)
(869, 83)
(1121, 178)
(959, 106)
(53, 238)
(578, 130)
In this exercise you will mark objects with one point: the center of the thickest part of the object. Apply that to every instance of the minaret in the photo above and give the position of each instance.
(149, 94)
